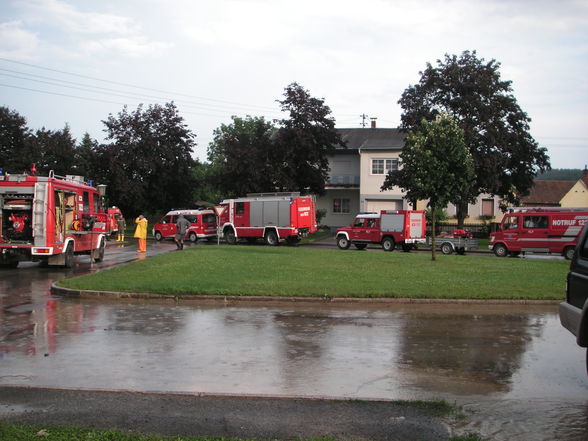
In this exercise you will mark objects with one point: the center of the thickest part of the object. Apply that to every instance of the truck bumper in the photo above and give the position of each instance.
(571, 318)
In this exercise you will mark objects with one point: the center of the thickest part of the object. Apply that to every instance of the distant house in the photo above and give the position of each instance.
(558, 193)
(358, 172)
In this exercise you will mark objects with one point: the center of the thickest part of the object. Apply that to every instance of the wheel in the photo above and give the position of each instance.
(193, 237)
(360, 246)
(292, 240)
(500, 250)
(569, 253)
(388, 244)
(230, 236)
(343, 243)
(271, 238)
(406, 247)
(446, 248)
(100, 256)
(158, 236)
(69, 256)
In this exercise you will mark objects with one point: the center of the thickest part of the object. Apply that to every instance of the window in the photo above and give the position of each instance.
(584, 249)
(383, 166)
(240, 208)
(86, 202)
(535, 222)
(359, 222)
(191, 218)
(488, 207)
(208, 218)
(341, 206)
(511, 223)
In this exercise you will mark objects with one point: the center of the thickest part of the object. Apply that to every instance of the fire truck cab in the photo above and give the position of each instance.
(388, 228)
(50, 219)
(271, 216)
(539, 230)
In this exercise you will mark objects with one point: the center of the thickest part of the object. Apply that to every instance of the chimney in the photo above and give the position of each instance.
(373, 122)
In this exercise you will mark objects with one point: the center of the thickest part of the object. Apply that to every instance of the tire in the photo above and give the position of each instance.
(271, 238)
(100, 256)
(9, 265)
(230, 237)
(568, 252)
(69, 256)
(343, 243)
(388, 244)
(500, 250)
(360, 246)
(158, 236)
(446, 248)
(193, 237)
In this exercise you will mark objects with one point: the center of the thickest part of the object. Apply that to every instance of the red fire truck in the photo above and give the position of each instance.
(388, 228)
(539, 230)
(50, 219)
(202, 225)
(271, 216)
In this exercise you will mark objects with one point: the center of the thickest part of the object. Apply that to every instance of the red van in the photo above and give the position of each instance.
(202, 225)
(539, 230)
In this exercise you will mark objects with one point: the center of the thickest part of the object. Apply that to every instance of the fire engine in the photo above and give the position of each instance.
(202, 225)
(539, 230)
(271, 216)
(113, 213)
(388, 228)
(50, 219)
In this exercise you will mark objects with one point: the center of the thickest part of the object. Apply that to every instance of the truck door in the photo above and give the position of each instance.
(357, 229)
(372, 230)
(241, 218)
(533, 235)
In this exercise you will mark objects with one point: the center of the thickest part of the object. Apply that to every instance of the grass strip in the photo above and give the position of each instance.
(291, 271)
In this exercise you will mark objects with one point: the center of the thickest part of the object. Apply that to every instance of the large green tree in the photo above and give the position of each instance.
(436, 166)
(150, 159)
(304, 142)
(14, 149)
(240, 156)
(496, 130)
(54, 150)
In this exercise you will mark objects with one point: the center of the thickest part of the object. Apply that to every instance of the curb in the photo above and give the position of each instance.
(219, 298)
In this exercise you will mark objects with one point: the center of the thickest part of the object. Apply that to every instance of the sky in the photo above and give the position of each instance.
(76, 62)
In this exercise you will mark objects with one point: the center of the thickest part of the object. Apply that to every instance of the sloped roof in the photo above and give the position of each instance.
(373, 139)
(547, 192)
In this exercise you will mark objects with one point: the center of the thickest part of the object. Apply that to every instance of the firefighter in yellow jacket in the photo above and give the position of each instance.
(141, 233)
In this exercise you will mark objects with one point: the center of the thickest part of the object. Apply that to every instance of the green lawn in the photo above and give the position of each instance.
(291, 271)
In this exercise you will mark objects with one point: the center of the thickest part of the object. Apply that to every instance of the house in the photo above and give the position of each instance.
(358, 172)
(558, 193)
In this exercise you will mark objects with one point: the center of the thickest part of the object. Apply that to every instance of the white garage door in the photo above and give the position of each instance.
(374, 205)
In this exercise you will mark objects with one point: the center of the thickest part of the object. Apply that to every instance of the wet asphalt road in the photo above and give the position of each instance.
(516, 371)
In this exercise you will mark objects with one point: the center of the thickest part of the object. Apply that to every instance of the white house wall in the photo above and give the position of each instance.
(371, 198)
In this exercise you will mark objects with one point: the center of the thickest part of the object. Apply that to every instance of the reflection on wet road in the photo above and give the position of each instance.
(514, 367)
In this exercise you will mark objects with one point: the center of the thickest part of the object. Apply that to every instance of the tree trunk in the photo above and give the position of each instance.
(433, 241)
(461, 212)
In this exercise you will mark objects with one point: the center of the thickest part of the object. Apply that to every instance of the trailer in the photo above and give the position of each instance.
(459, 241)
(50, 220)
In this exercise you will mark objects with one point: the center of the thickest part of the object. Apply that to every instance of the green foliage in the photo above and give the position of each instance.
(440, 215)
(54, 150)
(304, 142)
(320, 215)
(149, 160)
(496, 130)
(14, 154)
(242, 157)
(560, 174)
(246, 270)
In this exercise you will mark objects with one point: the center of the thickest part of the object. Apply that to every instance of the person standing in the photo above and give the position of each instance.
(182, 226)
(141, 233)
(122, 225)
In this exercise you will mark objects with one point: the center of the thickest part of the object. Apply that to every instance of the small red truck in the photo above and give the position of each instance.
(269, 216)
(388, 228)
(202, 225)
(50, 219)
(539, 230)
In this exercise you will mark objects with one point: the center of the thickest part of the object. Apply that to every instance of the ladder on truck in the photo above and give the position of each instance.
(40, 214)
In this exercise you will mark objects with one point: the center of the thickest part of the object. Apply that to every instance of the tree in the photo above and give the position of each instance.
(496, 130)
(304, 142)
(241, 156)
(150, 159)
(436, 165)
(14, 157)
(54, 150)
